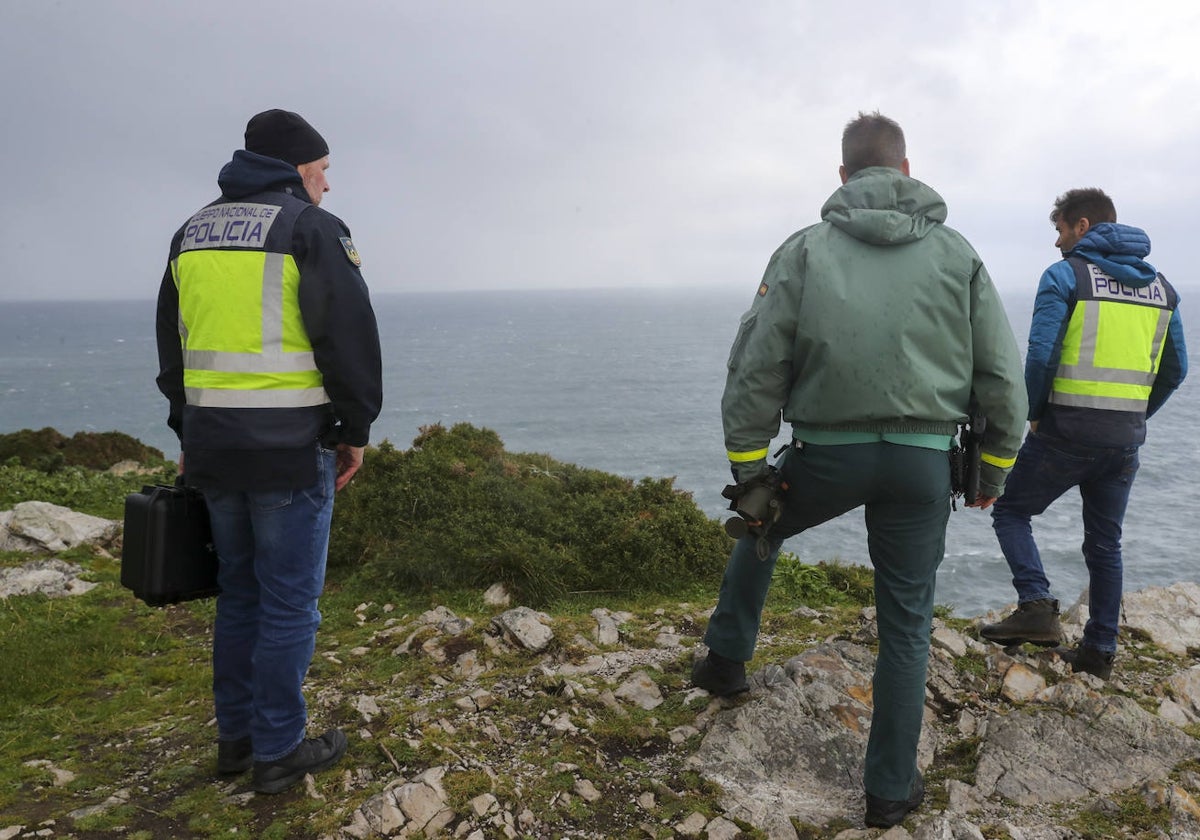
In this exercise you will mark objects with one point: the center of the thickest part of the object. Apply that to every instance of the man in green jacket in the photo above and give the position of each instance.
(871, 333)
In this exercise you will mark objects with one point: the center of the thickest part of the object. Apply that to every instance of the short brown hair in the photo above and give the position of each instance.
(1089, 203)
(872, 140)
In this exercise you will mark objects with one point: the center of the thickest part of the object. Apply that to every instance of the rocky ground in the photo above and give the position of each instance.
(513, 723)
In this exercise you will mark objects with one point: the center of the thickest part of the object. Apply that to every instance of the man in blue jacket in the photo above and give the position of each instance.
(1106, 350)
(269, 356)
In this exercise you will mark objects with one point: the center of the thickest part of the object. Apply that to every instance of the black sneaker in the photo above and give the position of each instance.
(312, 756)
(885, 813)
(234, 757)
(1089, 660)
(719, 675)
(1033, 621)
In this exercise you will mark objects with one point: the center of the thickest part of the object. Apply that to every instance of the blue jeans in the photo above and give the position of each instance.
(906, 494)
(1046, 468)
(272, 547)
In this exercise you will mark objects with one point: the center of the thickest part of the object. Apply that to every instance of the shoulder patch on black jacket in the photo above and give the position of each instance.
(351, 251)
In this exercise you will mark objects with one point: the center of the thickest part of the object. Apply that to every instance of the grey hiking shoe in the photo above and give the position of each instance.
(1034, 621)
(1089, 660)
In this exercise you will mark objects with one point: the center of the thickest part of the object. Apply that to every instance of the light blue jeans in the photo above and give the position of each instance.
(272, 547)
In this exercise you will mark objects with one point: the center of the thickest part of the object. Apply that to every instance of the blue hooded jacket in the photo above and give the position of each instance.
(1119, 251)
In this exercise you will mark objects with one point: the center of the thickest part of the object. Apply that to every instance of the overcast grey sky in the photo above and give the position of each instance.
(554, 144)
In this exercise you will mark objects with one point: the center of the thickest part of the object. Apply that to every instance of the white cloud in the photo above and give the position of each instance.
(567, 145)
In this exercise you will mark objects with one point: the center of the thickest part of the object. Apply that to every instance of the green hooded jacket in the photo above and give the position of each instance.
(879, 319)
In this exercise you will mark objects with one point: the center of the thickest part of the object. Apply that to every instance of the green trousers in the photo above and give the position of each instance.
(905, 491)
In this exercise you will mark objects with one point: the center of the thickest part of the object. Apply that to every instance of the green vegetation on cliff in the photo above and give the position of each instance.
(48, 449)
(458, 511)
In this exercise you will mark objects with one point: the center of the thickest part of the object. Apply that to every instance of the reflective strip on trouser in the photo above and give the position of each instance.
(268, 376)
(1088, 384)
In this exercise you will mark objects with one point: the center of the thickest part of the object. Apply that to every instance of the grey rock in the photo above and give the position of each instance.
(795, 749)
(607, 631)
(949, 640)
(640, 690)
(53, 578)
(692, 825)
(367, 707)
(497, 596)
(1075, 743)
(947, 827)
(587, 791)
(722, 829)
(1184, 687)
(483, 804)
(446, 621)
(525, 628)
(41, 526)
(1022, 683)
(120, 797)
(1168, 615)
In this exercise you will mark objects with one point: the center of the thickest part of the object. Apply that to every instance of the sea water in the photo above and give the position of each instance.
(624, 380)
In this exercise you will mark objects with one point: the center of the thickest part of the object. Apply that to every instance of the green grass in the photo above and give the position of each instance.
(79, 488)
(119, 693)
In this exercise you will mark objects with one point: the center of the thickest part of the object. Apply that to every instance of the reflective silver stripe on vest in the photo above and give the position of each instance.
(269, 398)
(272, 303)
(272, 359)
(1160, 336)
(183, 330)
(1087, 371)
(273, 362)
(1094, 401)
(1114, 375)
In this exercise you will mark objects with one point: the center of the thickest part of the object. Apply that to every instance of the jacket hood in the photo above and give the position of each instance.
(250, 173)
(1119, 251)
(883, 206)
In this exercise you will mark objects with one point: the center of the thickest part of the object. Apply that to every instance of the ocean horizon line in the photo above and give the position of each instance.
(1006, 292)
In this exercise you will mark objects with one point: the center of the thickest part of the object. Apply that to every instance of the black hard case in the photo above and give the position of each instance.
(168, 554)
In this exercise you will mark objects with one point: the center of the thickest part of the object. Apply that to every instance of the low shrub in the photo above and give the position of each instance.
(457, 510)
(824, 583)
(49, 450)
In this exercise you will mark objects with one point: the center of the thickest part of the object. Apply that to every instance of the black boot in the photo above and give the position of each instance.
(234, 757)
(885, 813)
(720, 676)
(1033, 621)
(311, 756)
(1089, 660)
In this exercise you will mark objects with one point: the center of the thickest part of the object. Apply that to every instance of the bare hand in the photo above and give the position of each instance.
(983, 502)
(349, 459)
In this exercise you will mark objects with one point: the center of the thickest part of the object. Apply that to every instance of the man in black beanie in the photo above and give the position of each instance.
(269, 356)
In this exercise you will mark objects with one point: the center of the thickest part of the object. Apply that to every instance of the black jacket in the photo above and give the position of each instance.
(275, 448)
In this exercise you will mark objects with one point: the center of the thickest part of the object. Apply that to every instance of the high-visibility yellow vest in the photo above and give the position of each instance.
(1113, 343)
(244, 342)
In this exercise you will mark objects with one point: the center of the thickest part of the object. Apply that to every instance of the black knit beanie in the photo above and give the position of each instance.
(284, 135)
